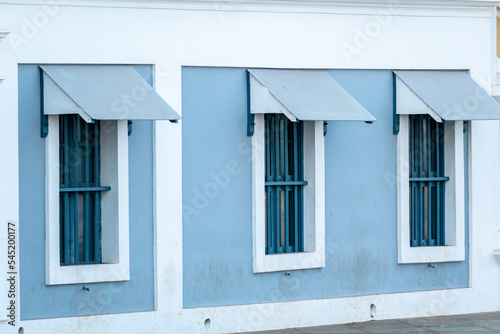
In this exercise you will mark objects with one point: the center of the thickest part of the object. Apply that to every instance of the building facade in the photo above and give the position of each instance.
(234, 166)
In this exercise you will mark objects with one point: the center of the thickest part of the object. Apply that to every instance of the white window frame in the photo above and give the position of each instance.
(454, 249)
(114, 206)
(314, 203)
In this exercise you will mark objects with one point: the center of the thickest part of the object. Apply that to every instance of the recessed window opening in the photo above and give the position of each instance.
(284, 185)
(80, 191)
(427, 181)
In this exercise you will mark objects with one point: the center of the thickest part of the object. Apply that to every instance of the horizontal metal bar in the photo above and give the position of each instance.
(430, 178)
(287, 183)
(82, 189)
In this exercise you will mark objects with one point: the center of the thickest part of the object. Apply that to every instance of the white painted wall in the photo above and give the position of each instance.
(256, 35)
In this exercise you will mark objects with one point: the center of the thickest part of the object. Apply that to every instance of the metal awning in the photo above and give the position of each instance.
(445, 95)
(101, 92)
(305, 95)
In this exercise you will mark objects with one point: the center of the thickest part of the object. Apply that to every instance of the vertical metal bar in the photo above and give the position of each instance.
(300, 158)
(277, 171)
(415, 172)
(71, 179)
(429, 214)
(412, 215)
(272, 124)
(411, 168)
(288, 245)
(271, 211)
(76, 242)
(438, 213)
(438, 184)
(287, 188)
(67, 244)
(429, 146)
(272, 163)
(443, 186)
(270, 248)
(61, 196)
(413, 122)
(296, 216)
(97, 198)
(86, 217)
(267, 129)
(429, 167)
(442, 229)
(412, 145)
(420, 142)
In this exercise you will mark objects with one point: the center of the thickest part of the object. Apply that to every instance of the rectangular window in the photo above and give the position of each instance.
(87, 201)
(80, 191)
(284, 185)
(427, 181)
(430, 190)
(288, 194)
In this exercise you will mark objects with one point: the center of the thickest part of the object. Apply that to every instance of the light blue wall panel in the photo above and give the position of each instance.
(41, 301)
(360, 162)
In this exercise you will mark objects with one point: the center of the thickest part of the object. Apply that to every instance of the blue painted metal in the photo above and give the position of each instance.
(129, 124)
(121, 89)
(44, 119)
(88, 189)
(395, 116)
(453, 95)
(79, 200)
(427, 181)
(284, 184)
(430, 178)
(250, 116)
(311, 95)
(97, 200)
(87, 236)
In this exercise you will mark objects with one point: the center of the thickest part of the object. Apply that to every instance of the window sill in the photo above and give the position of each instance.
(289, 261)
(88, 274)
(431, 254)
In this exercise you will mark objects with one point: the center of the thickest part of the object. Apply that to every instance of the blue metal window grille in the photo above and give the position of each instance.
(427, 181)
(284, 185)
(80, 191)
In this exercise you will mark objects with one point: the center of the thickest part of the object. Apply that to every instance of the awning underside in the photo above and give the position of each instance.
(445, 95)
(306, 95)
(101, 92)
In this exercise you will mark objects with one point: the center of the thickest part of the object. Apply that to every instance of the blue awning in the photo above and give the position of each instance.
(102, 92)
(306, 95)
(445, 95)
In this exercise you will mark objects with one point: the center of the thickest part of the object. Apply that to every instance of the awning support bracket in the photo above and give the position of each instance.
(250, 116)
(395, 116)
(44, 119)
(129, 124)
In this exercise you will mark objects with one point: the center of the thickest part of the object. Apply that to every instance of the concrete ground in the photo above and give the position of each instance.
(470, 323)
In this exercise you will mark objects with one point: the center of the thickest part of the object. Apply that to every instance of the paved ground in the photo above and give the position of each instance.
(472, 323)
